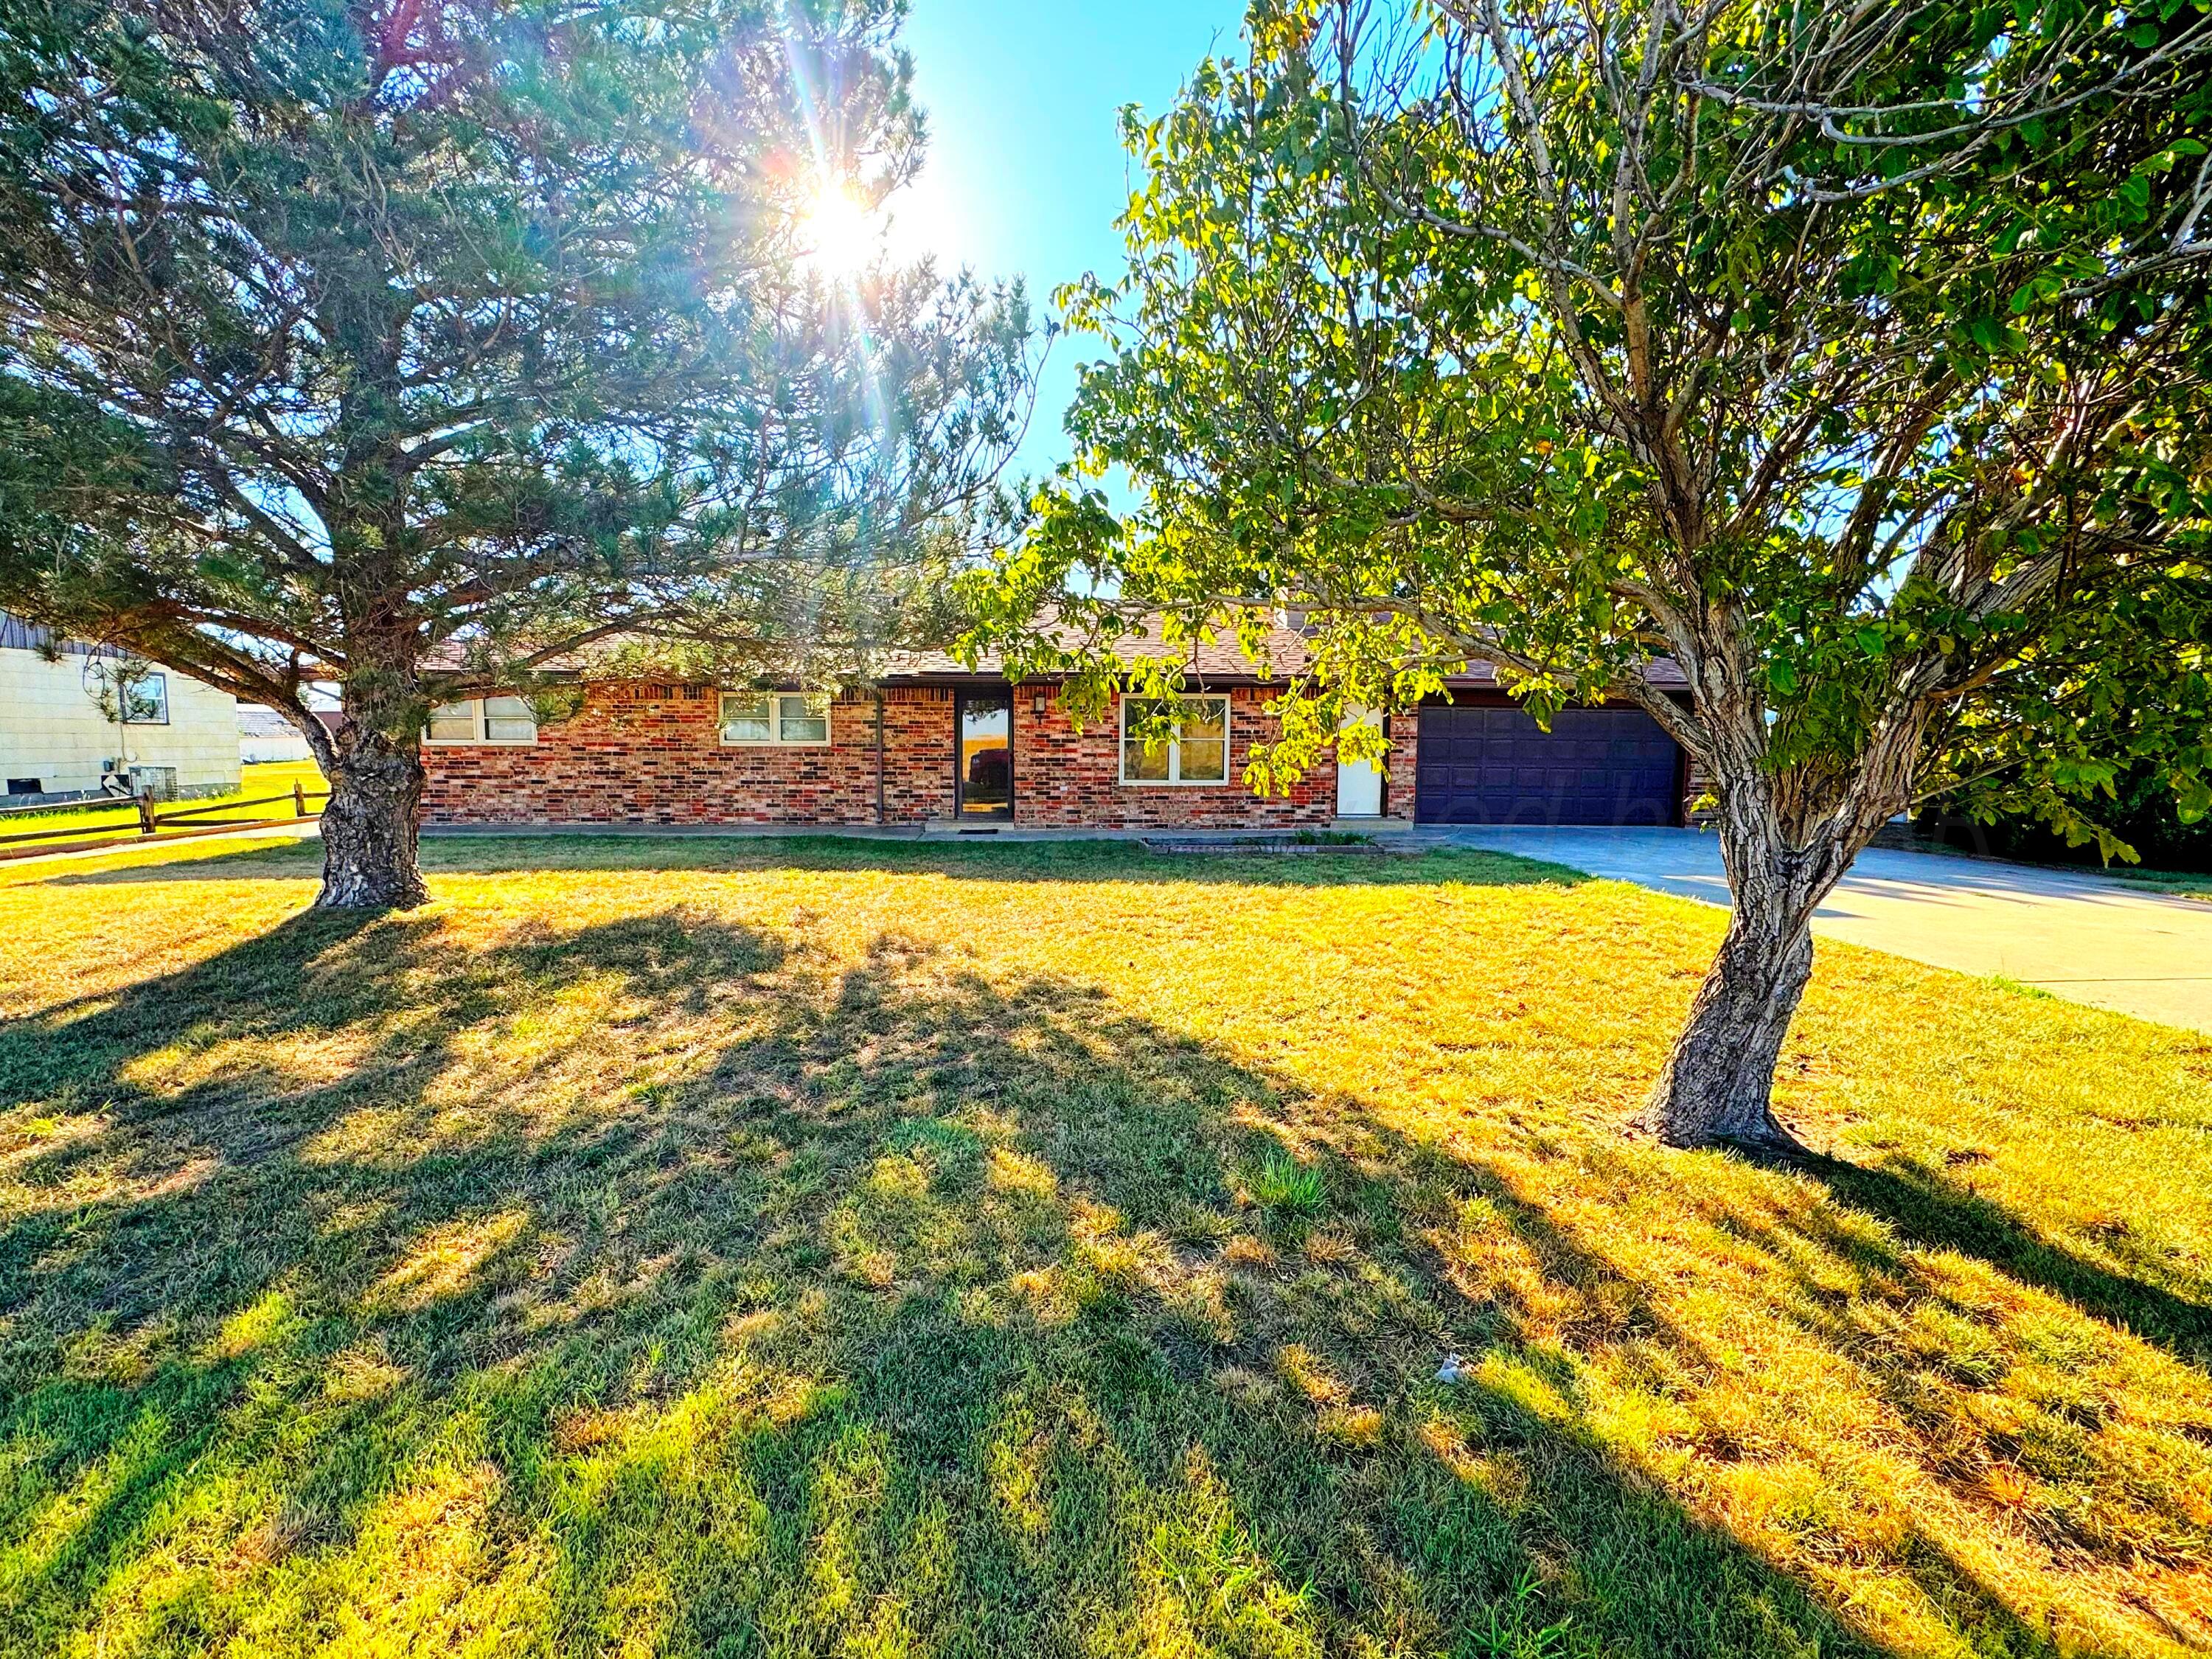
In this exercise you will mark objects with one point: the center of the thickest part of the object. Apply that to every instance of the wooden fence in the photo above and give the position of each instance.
(156, 825)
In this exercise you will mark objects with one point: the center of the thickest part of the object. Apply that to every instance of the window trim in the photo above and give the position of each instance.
(1175, 780)
(480, 719)
(130, 690)
(775, 739)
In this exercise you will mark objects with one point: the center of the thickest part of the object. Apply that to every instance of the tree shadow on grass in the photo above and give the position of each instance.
(663, 1285)
(212, 859)
(1927, 1206)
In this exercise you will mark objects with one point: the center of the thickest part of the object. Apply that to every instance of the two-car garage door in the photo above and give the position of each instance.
(1496, 765)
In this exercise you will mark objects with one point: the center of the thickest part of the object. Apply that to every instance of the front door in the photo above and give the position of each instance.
(1358, 784)
(983, 759)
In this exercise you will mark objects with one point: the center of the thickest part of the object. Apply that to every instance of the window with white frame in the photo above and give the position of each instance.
(786, 717)
(146, 700)
(1196, 749)
(482, 720)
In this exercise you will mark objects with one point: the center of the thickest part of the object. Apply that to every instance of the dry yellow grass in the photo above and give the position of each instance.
(753, 1247)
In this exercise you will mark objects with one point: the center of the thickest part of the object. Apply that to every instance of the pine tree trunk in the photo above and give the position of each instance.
(370, 832)
(376, 781)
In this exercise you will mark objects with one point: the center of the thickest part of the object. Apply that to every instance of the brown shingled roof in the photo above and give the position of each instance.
(1220, 660)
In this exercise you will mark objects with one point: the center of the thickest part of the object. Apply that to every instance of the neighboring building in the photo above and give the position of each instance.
(938, 745)
(264, 735)
(169, 735)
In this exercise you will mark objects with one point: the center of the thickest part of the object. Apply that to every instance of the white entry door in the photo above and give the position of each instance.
(1358, 784)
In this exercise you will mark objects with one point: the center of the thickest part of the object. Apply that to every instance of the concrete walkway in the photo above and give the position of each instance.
(2081, 936)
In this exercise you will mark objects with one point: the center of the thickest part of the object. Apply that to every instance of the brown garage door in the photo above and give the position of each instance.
(1493, 765)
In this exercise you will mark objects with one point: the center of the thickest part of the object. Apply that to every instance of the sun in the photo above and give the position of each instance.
(840, 234)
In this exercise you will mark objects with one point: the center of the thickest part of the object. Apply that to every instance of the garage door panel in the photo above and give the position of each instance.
(1495, 765)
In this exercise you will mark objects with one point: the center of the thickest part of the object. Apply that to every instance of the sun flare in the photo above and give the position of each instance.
(841, 234)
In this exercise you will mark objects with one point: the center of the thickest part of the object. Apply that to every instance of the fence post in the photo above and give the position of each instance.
(299, 800)
(146, 824)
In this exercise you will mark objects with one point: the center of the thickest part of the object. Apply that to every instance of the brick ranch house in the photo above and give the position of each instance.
(936, 744)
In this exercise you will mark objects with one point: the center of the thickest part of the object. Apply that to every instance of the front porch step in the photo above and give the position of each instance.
(955, 829)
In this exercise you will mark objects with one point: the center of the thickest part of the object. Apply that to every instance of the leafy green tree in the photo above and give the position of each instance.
(2142, 811)
(1851, 359)
(422, 344)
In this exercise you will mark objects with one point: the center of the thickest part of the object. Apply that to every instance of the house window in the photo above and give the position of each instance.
(791, 717)
(509, 719)
(483, 720)
(146, 700)
(1196, 751)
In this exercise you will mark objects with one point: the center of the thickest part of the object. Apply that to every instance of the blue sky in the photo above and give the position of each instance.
(1025, 174)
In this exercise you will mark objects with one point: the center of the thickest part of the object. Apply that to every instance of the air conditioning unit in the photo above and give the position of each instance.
(155, 782)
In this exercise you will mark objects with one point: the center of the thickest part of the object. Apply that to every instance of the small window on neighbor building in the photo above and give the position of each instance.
(791, 717)
(146, 700)
(483, 720)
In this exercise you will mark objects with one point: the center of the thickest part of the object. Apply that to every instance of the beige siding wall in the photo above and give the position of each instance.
(282, 747)
(51, 729)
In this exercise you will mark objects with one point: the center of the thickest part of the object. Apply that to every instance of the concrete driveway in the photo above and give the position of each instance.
(2084, 936)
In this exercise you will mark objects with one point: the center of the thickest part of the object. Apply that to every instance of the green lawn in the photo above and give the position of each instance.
(255, 783)
(2179, 883)
(751, 1248)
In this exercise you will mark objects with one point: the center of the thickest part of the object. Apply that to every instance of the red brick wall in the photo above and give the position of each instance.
(1064, 779)
(653, 754)
(1404, 731)
(1695, 784)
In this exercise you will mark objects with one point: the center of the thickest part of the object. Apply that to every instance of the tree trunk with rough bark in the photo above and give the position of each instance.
(369, 823)
(1717, 1086)
(369, 833)
(1718, 1083)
